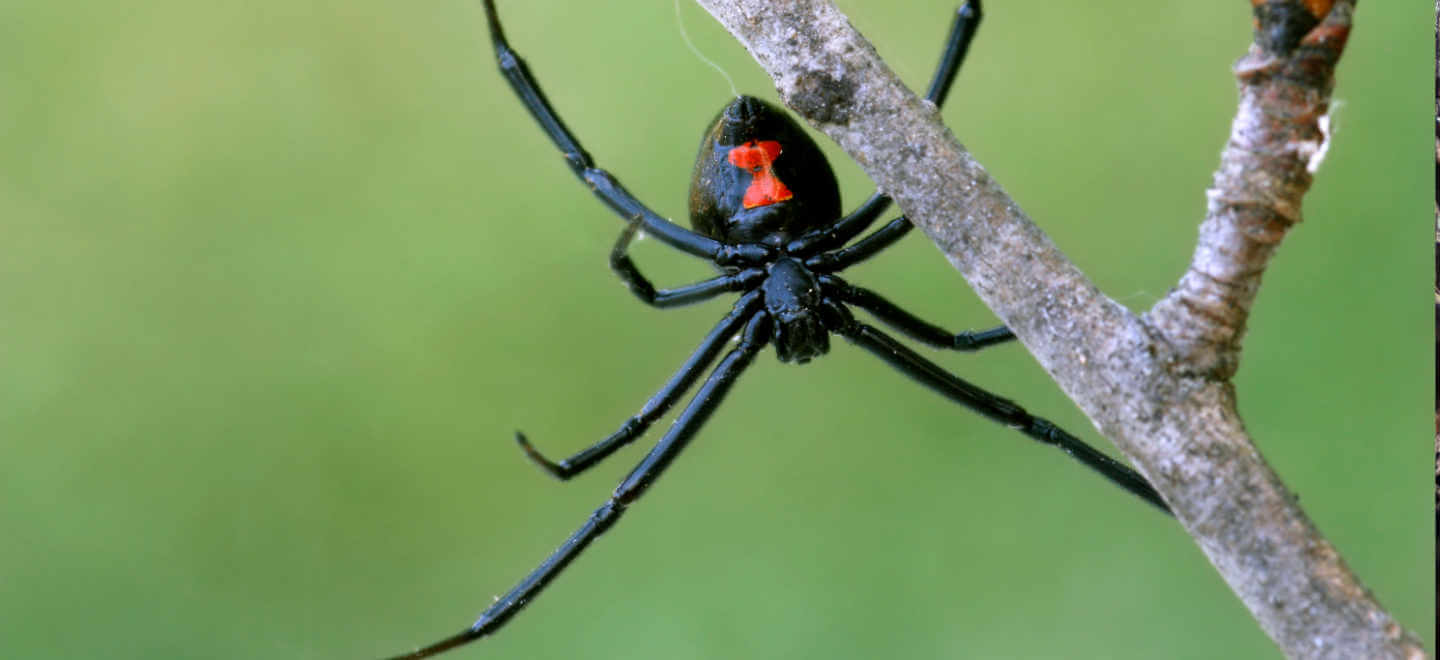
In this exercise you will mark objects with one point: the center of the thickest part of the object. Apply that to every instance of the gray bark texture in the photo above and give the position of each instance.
(1157, 384)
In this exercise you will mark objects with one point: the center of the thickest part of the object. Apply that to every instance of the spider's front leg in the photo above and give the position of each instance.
(910, 324)
(992, 406)
(754, 337)
(659, 403)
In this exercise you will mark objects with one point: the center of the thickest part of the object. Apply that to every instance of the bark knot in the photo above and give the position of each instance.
(822, 98)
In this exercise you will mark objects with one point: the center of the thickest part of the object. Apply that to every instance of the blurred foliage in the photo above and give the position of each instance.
(279, 279)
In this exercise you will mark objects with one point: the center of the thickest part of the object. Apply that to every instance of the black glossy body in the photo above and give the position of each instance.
(718, 187)
(795, 305)
(766, 211)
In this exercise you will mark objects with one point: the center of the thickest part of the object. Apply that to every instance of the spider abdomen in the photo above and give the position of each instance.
(759, 178)
(793, 300)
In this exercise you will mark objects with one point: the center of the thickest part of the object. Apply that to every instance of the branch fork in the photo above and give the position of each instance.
(1157, 384)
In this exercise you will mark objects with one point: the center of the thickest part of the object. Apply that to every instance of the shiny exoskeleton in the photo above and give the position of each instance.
(766, 210)
(760, 179)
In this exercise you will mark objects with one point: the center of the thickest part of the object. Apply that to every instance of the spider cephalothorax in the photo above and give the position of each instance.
(766, 212)
(796, 307)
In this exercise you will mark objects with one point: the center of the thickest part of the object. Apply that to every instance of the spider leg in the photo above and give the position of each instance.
(832, 262)
(910, 324)
(996, 408)
(659, 403)
(602, 183)
(638, 284)
(634, 485)
(844, 229)
(957, 44)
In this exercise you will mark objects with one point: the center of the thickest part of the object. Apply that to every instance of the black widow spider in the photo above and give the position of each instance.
(761, 200)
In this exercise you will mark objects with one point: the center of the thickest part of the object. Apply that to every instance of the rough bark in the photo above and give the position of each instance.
(1158, 384)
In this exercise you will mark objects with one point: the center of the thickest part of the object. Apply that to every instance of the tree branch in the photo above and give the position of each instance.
(1157, 385)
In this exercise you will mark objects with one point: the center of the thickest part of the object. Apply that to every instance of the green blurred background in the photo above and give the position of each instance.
(281, 278)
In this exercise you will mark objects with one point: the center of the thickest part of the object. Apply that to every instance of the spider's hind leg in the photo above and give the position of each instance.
(602, 183)
(884, 237)
(957, 44)
(639, 285)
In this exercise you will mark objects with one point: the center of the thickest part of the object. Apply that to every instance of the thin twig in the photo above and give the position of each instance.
(1158, 385)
